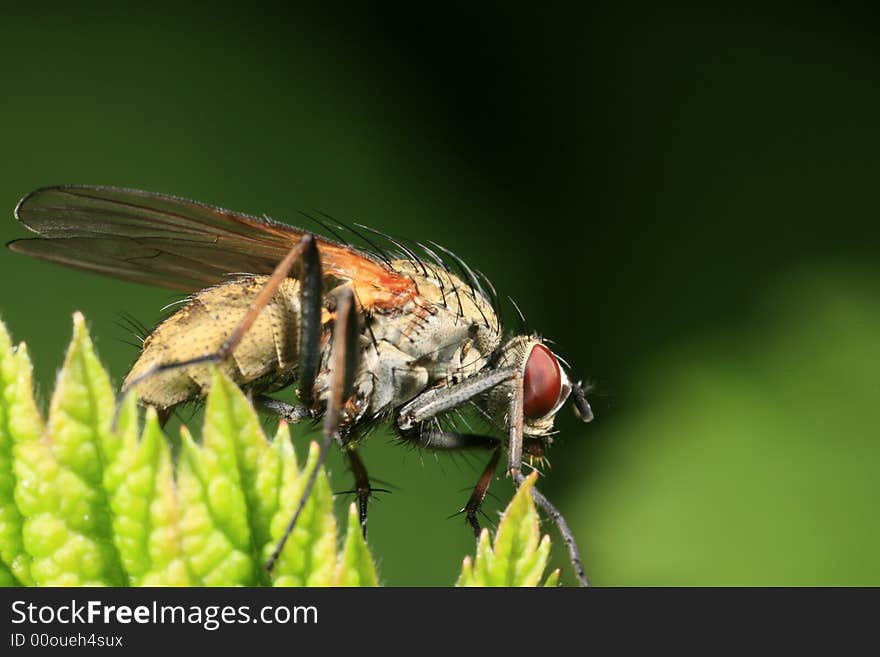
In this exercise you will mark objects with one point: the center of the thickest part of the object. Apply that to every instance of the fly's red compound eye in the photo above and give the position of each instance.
(542, 383)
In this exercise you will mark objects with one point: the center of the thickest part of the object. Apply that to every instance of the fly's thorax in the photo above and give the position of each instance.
(545, 385)
(445, 320)
(403, 354)
(442, 335)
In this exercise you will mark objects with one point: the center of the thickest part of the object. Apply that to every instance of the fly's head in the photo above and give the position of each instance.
(546, 387)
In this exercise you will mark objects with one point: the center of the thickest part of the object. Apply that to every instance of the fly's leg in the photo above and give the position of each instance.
(343, 364)
(310, 301)
(515, 436)
(433, 402)
(513, 467)
(558, 519)
(307, 251)
(448, 441)
(362, 487)
(476, 500)
(451, 441)
(297, 413)
(439, 400)
(292, 413)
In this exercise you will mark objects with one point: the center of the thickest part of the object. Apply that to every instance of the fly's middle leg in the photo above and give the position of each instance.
(291, 413)
(476, 500)
(452, 441)
(362, 487)
(297, 413)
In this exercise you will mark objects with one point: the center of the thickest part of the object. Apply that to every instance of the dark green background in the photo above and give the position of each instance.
(686, 203)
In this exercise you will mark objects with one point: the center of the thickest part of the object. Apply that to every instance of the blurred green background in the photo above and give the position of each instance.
(686, 203)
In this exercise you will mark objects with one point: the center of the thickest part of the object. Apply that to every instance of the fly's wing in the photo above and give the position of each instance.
(179, 244)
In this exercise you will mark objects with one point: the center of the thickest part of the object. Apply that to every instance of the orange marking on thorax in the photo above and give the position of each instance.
(420, 314)
(375, 285)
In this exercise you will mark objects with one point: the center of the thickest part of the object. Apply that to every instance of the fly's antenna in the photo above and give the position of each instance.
(376, 248)
(581, 405)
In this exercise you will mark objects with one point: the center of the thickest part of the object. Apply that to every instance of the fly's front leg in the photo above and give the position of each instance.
(515, 447)
(449, 441)
(439, 400)
(564, 530)
(343, 364)
(515, 419)
(433, 402)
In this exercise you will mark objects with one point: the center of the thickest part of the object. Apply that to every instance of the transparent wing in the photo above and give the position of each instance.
(179, 244)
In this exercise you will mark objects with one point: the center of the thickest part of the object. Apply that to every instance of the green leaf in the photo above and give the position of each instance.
(146, 514)
(19, 422)
(232, 432)
(309, 556)
(552, 580)
(519, 556)
(214, 530)
(59, 488)
(467, 573)
(356, 567)
(85, 503)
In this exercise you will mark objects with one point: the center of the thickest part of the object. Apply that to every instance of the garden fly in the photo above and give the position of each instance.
(365, 334)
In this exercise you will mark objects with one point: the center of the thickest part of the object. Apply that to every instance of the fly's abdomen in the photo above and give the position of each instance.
(264, 360)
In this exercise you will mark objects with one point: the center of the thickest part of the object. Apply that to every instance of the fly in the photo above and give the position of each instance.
(363, 335)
